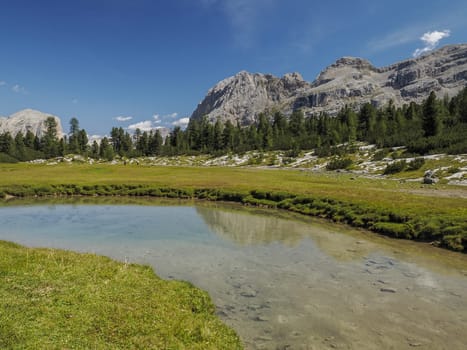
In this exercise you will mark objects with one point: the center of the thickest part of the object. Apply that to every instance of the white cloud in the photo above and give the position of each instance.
(166, 118)
(19, 89)
(123, 118)
(431, 40)
(97, 138)
(143, 126)
(182, 122)
(157, 118)
(158, 121)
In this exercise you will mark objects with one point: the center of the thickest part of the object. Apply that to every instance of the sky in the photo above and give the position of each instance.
(148, 63)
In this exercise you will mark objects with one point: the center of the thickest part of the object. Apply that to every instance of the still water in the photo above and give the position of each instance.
(281, 282)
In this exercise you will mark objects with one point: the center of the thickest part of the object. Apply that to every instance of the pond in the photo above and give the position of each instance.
(281, 281)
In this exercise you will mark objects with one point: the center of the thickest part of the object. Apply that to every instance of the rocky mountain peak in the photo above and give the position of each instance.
(293, 81)
(348, 81)
(356, 62)
(28, 120)
(242, 96)
(345, 68)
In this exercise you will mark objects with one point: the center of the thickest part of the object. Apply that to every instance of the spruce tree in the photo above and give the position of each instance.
(431, 116)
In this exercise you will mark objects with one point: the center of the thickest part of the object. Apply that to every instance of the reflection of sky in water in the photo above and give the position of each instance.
(40, 224)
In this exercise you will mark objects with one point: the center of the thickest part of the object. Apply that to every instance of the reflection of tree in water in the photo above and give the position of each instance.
(249, 228)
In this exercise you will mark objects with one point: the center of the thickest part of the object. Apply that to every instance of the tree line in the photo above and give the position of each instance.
(436, 125)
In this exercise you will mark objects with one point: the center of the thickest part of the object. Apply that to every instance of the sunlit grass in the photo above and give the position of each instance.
(53, 299)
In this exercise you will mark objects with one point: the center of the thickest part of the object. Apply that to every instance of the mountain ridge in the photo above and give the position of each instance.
(348, 81)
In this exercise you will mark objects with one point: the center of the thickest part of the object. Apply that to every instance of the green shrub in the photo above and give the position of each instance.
(454, 242)
(380, 155)
(339, 163)
(416, 164)
(393, 229)
(6, 158)
(453, 170)
(395, 167)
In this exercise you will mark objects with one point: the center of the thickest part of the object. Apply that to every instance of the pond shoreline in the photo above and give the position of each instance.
(384, 221)
(58, 298)
(276, 280)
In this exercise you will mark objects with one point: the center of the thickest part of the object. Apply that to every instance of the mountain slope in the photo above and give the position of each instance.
(351, 81)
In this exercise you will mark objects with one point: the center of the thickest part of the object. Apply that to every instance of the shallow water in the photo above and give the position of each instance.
(280, 282)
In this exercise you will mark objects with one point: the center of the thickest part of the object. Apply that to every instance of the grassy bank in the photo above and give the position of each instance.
(53, 299)
(402, 210)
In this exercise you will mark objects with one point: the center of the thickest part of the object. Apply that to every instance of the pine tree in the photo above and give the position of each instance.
(431, 116)
(217, 137)
(82, 142)
(49, 141)
(462, 105)
(106, 150)
(95, 150)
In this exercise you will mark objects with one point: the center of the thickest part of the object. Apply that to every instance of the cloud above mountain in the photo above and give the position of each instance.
(431, 41)
(182, 122)
(158, 121)
(143, 126)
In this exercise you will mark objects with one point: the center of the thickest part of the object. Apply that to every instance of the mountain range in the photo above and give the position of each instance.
(349, 81)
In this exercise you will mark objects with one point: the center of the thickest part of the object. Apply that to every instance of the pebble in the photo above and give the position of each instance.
(414, 344)
(260, 318)
(249, 293)
(388, 290)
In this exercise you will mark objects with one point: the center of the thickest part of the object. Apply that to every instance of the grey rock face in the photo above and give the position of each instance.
(243, 96)
(349, 81)
(28, 119)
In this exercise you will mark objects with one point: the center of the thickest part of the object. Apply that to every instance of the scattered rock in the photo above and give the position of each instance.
(430, 180)
(415, 344)
(388, 290)
(248, 292)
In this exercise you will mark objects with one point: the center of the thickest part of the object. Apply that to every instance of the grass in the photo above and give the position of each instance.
(384, 206)
(53, 299)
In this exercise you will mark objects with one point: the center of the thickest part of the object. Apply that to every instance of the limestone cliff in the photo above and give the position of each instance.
(349, 81)
(28, 119)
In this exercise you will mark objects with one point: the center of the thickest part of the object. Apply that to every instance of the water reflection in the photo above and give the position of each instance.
(249, 228)
(281, 283)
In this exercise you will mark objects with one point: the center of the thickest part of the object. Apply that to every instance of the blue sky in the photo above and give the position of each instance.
(125, 62)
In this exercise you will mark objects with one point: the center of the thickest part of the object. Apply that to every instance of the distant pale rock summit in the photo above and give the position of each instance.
(28, 119)
(349, 81)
